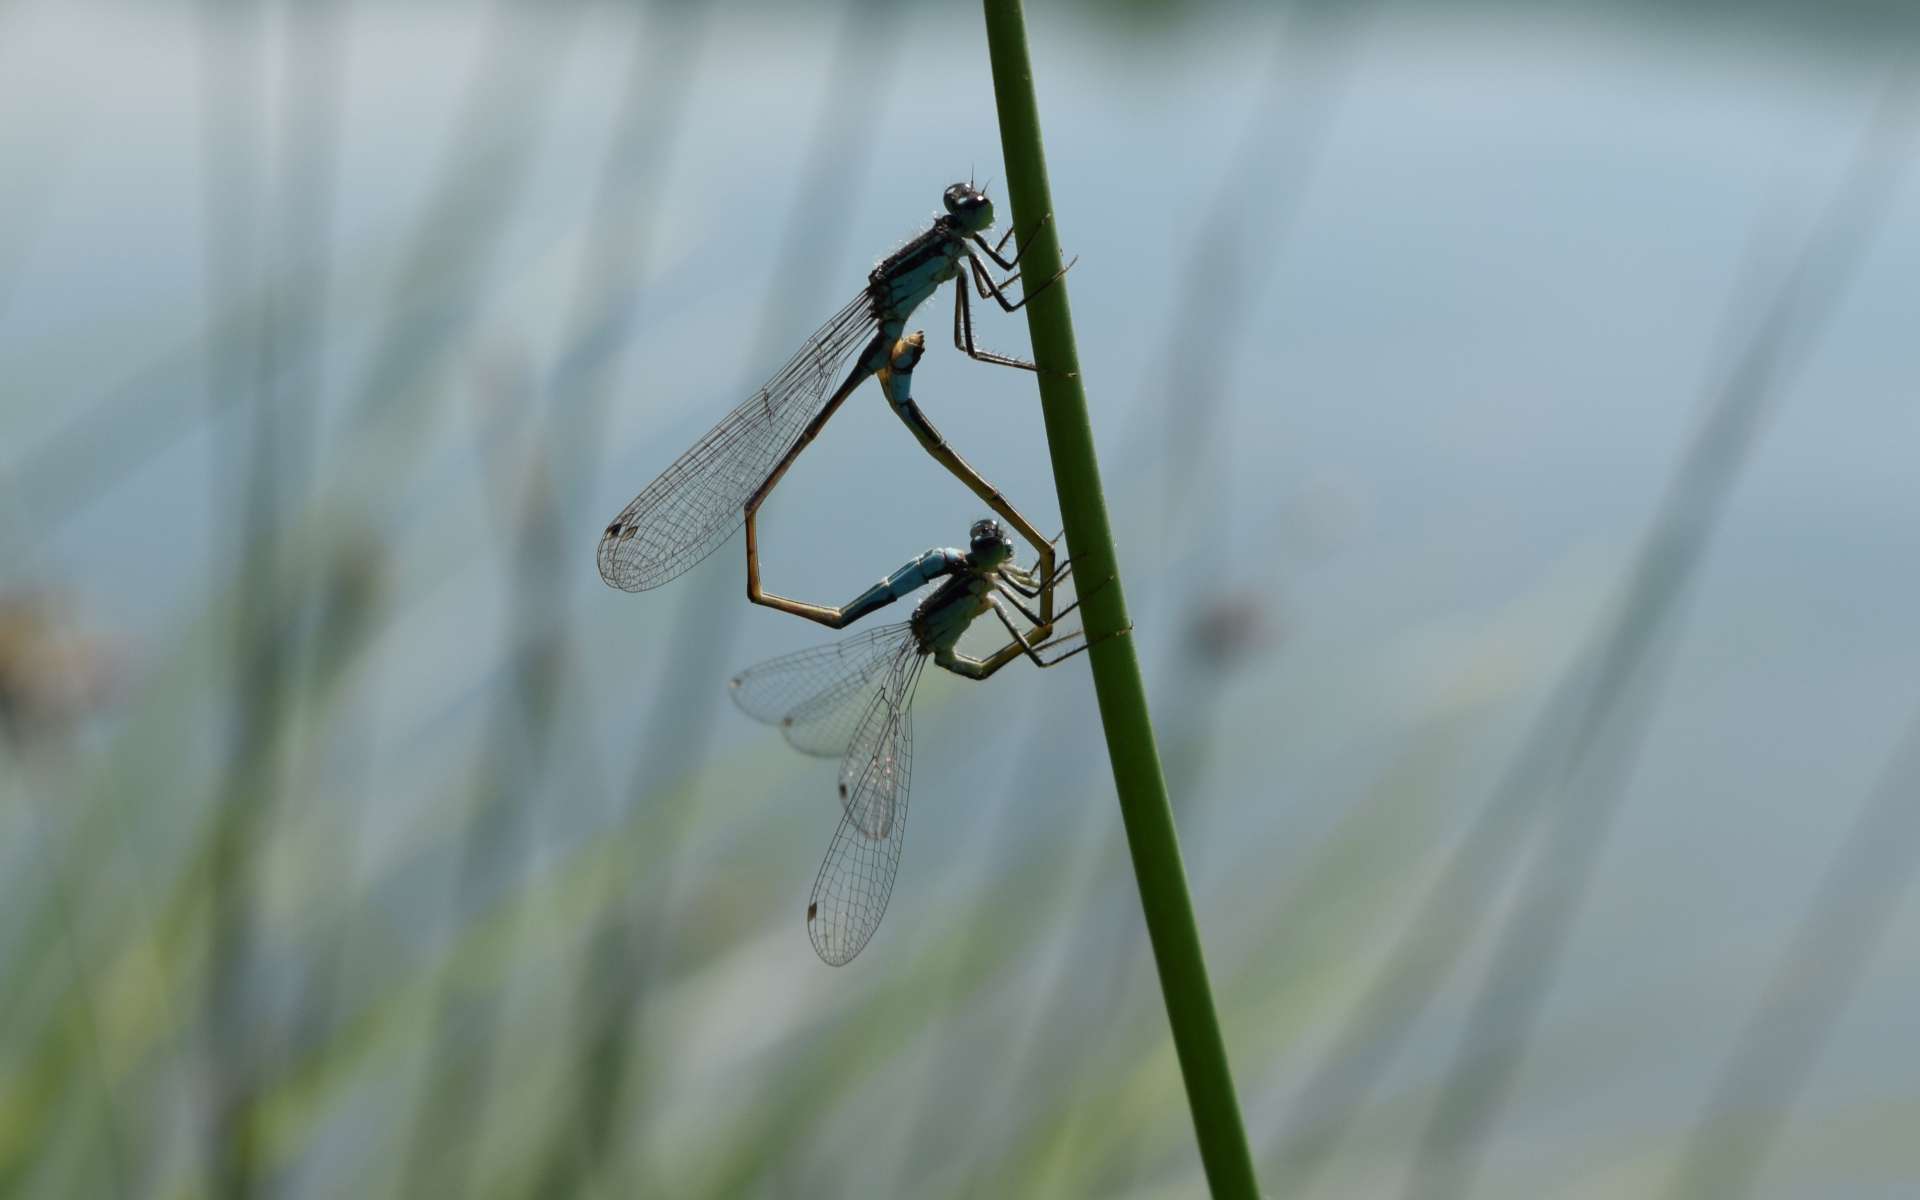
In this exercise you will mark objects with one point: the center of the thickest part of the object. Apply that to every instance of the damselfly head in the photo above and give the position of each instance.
(989, 543)
(969, 206)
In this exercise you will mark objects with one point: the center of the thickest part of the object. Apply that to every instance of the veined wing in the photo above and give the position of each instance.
(856, 879)
(872, 746)
(817, 696)
(697, 503)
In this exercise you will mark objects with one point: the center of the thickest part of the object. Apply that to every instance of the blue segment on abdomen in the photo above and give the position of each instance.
(915, 575)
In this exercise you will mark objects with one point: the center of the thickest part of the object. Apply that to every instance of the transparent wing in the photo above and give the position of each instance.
(815, 696)
(697, 503)
(872, 746)
(856, 879)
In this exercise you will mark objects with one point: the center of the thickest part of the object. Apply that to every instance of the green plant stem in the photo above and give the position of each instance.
(1151, 838)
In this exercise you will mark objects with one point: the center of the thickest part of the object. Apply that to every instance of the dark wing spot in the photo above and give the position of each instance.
(843, 791)
(786, 722)
(613, 530)
(813, 910)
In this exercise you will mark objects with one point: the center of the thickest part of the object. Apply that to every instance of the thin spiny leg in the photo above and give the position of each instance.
(984, 668)
(975, 668)
(985, 285)
(1004, 582)
(1042, 629)
(1008, 264)
(963, 333)
(983, 291)
(1030, 646)
(1021, 644)
(1027, 582)
(1086, 643)
(1040, 626)
(982, 279)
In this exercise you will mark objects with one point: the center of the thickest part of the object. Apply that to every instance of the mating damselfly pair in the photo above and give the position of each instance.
(853, 699)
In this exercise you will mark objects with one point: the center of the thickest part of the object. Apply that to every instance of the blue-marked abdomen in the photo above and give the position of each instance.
(908, 579)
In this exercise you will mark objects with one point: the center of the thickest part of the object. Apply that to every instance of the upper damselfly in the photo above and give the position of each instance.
(853, 700)
(697, 503)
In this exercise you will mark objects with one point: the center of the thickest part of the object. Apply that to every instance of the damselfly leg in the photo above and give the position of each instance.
(1027, 645)
(968, 667)
(963, 311)
(993, 251)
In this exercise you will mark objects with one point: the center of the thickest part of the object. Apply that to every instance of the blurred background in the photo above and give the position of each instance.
(1508, 415)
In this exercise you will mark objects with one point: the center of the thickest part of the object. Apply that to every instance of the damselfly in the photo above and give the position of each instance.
(697, 503)
(853, 699)
(896, 380)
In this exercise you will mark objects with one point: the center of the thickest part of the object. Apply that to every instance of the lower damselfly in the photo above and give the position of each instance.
(853, 700)
(697, 503)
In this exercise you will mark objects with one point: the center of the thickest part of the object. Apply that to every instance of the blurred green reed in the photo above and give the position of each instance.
(1612, 692)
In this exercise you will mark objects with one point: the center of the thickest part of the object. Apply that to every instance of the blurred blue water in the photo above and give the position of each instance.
(1485, 339)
